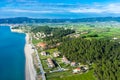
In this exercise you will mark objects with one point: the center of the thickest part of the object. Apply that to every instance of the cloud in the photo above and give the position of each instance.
(26, 11)
(113, 8)
(106, 8)
(35, 7)
(86, 10)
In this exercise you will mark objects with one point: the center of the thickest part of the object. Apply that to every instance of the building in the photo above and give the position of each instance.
(50, 63)
(56, 54)
(76, 70)
(73, 63)
(84, 68)
(65, 60)
(115, 38)
(43, 53)
(42, 45)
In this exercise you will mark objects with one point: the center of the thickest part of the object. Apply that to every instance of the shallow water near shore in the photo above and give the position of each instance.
(12, 57)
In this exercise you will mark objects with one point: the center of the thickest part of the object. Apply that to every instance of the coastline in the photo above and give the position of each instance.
(16, 30)
(30, 72)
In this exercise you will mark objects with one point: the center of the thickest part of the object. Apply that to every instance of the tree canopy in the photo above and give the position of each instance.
(105, 54)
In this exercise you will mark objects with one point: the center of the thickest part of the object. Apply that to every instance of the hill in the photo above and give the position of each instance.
(21, 20)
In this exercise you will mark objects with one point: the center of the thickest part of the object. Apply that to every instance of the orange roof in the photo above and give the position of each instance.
(78, 68)
(42, 44)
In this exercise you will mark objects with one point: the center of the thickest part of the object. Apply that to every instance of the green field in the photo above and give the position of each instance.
(102, 32)
(70, 76)
(34, 41)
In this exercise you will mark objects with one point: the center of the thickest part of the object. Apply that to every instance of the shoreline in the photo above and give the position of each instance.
(30, 73)
(16, 30)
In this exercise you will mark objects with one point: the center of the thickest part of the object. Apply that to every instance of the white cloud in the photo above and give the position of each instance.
(26, 11)
(87, 10)
(106, 8)
(112, 8)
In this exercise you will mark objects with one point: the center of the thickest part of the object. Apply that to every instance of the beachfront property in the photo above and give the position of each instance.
(76, 70)
(50, 63)
(115, 38)
(73, 63)
(43, 53)
(35, 37)
(85, 32)
(56, 54)
(84, 68)
(39, 35)
(65, 60)
(43, 45)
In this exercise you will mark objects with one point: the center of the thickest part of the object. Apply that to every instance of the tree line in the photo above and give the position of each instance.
(105, 54)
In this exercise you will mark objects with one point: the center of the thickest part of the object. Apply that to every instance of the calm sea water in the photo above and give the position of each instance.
(12, 58)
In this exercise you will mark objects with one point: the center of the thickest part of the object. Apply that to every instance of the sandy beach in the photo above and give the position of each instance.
(30, 73)
(29, 68)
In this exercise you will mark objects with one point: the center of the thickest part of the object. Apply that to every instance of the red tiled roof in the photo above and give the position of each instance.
(42, 44)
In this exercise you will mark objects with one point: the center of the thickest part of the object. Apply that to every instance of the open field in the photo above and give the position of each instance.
(34, 41)
(69, 76)
(104, 32)
(87, 32)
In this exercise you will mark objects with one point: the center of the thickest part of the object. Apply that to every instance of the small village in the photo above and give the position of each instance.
(59, 64)
(54, 62)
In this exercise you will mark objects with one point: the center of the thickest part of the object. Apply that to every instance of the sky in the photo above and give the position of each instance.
(59, 8)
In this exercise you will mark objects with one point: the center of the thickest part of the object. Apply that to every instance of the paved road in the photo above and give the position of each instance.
(39, 62)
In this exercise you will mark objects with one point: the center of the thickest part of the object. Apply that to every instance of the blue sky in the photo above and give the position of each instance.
(59, 8)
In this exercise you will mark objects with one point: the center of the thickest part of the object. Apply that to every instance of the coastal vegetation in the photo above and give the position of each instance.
(56, 32)
(24, 20)
(69, 76)
(103, 53)
(87, 44)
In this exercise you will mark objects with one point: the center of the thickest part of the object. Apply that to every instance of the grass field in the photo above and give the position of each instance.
(70, 76)
(34, 41)
(102, 32)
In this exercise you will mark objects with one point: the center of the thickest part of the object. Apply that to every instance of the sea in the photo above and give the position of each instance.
(12, 57)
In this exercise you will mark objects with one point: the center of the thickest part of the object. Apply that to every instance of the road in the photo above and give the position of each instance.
(39, 62)
(40, 65)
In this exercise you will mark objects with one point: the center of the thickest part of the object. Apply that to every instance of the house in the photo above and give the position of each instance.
(58, 44)
(50, 63)
(65, 60)
(42, 45)
(84, 32)
(56, 54)
(84, 68)
(76, 70)
(73, 63)
(115, 38)
(43, 53)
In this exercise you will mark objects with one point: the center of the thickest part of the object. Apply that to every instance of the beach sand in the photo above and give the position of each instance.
(29, 68)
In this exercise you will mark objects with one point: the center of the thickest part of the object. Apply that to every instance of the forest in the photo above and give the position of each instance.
(24, 20)
(57, 32)
(103, 53)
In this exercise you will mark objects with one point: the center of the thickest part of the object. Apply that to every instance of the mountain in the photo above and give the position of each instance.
(35, 20)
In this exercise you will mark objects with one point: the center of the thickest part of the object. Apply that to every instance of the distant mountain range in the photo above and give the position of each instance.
(19, 20)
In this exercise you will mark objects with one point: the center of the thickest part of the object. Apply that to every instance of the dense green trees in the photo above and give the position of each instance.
(103, 53)
(57, 32)
(45, 29)
(60, 32)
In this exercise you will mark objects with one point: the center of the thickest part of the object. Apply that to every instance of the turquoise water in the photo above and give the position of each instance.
(12, 58)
